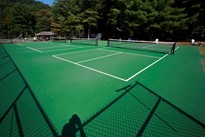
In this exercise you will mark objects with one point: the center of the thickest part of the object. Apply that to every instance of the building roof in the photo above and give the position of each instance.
(45, 33)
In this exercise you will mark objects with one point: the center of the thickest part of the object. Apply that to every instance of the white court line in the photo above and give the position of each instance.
(138, 47)
(20, 45)
(146, 67)
(148, 46)
(134, 54)
(103, 44)
(202, 65)
(89, 68)
(75, 52)
(34, 49)
(52, 50)
(62, 49)
(103, 49)
(45, 47)
(125, 80)
(100, 57)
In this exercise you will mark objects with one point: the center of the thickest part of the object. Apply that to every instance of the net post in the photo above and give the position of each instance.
(108, 43)
(96, 41)
(173, 48)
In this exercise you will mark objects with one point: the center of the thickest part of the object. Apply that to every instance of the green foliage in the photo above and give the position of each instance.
(73, 16)
(155, 18)
(138, 19)
(66, 18)
(43, 20)
(23, 17)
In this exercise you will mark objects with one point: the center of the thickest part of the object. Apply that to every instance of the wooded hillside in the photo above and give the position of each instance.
(137, 19)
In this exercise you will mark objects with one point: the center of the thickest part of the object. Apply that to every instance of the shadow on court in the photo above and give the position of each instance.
(21, 113)
(74, 124)
(139, 111)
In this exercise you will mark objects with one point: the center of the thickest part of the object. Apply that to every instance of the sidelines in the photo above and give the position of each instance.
(74, 52)
(20, 45)
(146, 67)
(62, 49)
(34, 49)
(104, 73)
(203, 66)
(89, 68)
(50, 47)
(133, 54)
(148, 46)
(100, 57)
(110, 75)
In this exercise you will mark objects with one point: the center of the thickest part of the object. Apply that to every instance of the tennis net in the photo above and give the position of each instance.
(58, 39)
(85, 41)
(152, 46)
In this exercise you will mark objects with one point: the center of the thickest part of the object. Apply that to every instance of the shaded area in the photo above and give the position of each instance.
(71, 127)
(24, 116)
(141, 112)
(137, 112)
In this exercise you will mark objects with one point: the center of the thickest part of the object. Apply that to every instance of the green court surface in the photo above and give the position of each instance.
(164, 94)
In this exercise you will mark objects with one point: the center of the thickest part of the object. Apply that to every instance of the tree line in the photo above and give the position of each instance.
(137, 19)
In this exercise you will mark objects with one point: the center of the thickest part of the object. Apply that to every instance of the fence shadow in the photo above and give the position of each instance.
(139, 111)
(24, 116)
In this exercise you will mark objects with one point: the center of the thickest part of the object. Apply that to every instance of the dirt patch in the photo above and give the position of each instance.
(203, 62)
(184, 43)
(202, 50)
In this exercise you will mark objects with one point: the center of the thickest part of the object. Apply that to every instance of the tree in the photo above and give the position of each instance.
(196, 12)
(90, 14)
(138, 19)
(22, 17)
(113, 15)
(66, 17)
(74, 16)
(155, 18)
(43, 20)
(23, 20)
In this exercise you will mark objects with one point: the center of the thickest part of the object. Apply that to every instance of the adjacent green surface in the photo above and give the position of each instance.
(64, 89)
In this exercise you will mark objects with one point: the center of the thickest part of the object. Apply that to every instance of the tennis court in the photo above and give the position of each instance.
(113, 91)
